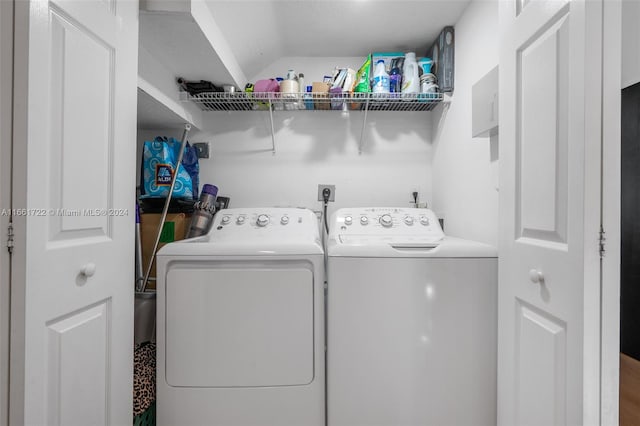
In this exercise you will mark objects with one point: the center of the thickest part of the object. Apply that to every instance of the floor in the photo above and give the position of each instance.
(629, 391)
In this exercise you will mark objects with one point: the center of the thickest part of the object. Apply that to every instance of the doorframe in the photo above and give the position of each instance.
(6, 120)
(611, 198)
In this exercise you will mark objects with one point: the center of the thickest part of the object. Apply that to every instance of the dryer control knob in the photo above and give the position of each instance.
(263, 220)
(348, 220)
(408, 220)
(284, 220)
(240, 220)
(386, 220)
(424, 220)
(226, 219)
(364, 220)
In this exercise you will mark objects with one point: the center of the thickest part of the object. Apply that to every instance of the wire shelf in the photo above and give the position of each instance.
(249, 101)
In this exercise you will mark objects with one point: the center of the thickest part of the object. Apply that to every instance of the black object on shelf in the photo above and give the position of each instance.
(177, 205)
(197, 87)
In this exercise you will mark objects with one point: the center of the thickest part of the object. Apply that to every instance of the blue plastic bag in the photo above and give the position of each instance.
(159, 158)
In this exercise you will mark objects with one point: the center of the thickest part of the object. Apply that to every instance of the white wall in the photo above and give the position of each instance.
(630, 42)
(317, 147)
(465, 169)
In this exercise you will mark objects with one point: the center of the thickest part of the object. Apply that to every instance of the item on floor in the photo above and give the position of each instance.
(174, 229)
(159, 163)
(144, 317)
(204, 210)
(144, 381)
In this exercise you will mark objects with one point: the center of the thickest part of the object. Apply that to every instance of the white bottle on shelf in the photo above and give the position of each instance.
(380, 78)
(410, 74)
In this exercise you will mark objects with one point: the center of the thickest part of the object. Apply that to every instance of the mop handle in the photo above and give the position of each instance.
(139, 266)
(183, 144)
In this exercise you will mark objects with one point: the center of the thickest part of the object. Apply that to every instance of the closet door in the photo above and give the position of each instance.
(6, 66)
(550, 141)
(73, 195)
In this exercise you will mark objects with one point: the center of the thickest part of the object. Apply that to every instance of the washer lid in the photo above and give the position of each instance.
(396, 232)
(448, 247)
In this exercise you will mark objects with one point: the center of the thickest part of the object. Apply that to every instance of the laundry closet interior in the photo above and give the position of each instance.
(394, 153)
(429, 254)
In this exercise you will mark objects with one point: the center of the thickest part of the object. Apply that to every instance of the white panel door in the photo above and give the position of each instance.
(549, 208)
(73, 192)
(6, 86)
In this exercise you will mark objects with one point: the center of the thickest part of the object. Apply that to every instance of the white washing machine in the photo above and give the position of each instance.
(412, 320)
(240, 329)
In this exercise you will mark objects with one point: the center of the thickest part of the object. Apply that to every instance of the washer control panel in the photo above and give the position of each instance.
(259, 218)
(387, 221)
(264, 223)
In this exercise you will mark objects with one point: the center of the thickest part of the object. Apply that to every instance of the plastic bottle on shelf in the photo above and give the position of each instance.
(395, 77)
(301, 88)
(380, 78)
(411, 76)
(289, 89)
(308, 98)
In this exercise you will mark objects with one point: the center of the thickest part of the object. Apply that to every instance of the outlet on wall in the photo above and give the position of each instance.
(202, 149)
(332, 195)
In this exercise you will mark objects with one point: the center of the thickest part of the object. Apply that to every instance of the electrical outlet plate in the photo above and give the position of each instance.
(332, 188)
(202, 148)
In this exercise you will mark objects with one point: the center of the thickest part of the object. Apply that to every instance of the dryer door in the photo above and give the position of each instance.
(237, 324)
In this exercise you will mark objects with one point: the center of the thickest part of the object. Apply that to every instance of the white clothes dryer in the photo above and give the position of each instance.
(240, 338)
(412, 320)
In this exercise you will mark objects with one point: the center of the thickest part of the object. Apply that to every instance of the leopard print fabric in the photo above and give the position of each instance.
(144, 377)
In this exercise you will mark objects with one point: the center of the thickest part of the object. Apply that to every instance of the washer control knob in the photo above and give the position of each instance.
(386, 220)
(408, 220)
(348, 220)
(263, 220)
(364, 220)
(424, 220)
(284, 220)
(226, 220)
(240, 220)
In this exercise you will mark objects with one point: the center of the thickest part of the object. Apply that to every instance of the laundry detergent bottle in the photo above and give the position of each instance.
(411, 75)
(380, 78)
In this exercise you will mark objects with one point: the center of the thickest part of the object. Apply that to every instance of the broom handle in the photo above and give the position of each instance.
(183, 144)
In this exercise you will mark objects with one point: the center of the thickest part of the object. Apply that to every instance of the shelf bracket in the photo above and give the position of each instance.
(273, 136)
(364, 124)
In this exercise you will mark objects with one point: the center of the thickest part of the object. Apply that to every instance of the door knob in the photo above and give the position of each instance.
(536, 276)
(88, 270)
